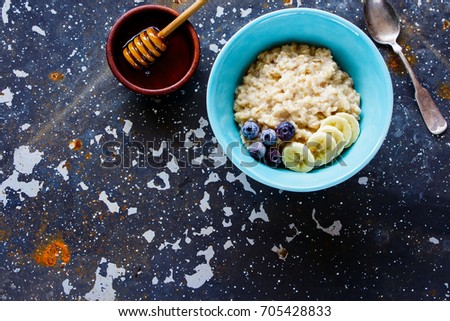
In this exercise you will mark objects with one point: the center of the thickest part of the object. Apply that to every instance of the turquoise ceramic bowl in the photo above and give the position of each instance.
(354, 52)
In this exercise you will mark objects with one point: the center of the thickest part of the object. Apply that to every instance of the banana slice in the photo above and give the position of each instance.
(340, 123)
(323, 146)
(337, 135)
(354, 124)
(297, 157)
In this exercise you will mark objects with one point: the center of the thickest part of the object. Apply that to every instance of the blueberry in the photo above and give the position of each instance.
(285, 131)
(273, 157)
(250, 129)
(268, 137)
(257, 150)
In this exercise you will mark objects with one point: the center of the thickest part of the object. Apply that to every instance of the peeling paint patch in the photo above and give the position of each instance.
(204, 202)
(433, 240)
(113, 207)
(67, 287)
(38, 30)
(20, 73)
(25, 160)
(334, 229)
(6, 97)
(24, 163)
(363, 180)
(62, 170)
(165, 180)
(246, 12)
(149, 235)
(127, 127)
(203, 272)
(5, 9)
(261, 214)
(105, 274)
(242, 178)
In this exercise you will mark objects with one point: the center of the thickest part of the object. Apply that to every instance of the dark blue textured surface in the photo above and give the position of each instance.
(140, 230)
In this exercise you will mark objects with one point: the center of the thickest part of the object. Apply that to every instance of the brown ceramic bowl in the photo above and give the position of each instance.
(170, 71)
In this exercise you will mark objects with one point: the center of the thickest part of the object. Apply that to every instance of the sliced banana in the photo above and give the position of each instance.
(337, 135)
(340, 123)
(323, 146)
(354, 124)
(297, 157)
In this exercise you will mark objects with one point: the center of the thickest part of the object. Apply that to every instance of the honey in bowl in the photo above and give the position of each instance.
(172, 69)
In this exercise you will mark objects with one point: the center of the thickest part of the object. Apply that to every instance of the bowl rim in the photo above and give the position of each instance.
(341, 177)
(123, 80)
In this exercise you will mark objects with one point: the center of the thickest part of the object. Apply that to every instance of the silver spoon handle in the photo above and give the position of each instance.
(433, 118)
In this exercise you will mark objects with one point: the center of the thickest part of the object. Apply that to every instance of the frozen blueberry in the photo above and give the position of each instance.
(250, 129)
(268, 137)
(257, 150)
(272, 157)
(285, 131)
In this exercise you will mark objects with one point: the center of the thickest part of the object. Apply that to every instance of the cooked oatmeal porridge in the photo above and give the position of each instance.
(297, 83)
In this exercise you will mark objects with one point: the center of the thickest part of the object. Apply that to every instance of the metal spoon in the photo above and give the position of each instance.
(384, 27)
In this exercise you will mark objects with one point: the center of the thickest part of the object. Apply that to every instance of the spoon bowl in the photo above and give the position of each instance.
(383, 25)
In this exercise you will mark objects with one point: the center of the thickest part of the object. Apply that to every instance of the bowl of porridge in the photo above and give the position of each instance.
(306, 106)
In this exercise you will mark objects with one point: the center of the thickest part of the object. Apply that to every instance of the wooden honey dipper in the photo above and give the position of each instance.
(145, 48)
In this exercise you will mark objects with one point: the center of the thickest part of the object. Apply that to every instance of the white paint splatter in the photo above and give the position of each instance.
(228, 244)
(297, 233)
(433, 240)
(219, 12)
(5, 9)
(228, 211)
(166, 184)
(242, 178)
(155, 280)
(83, 186)
(214, 48)
(98, 137)
(127, 127)
(333, 229)
(113, 207)
(169, 278)
(226, 223)
(246, 12)
(204, 202)
(363, 180)
(203, 272)
(103, 286)
(111, 131)
(20, 73)
(67, 287)
(132, 210)
(6, 97)
(261, 214)
(205, 231)
(149, 235)
(38, 30)
(25, 160)
(30, 188)
(62, 170)
(213, 177)
(172, 165)
(25, 126)
(250, 241)
(175, 246)
(27, 6)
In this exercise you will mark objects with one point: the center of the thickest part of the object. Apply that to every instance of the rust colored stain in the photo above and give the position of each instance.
(52, 253)
(4, 235)
(444, 91)
(56, 76)
(76, 144)
(396, 65)
(445, 25)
